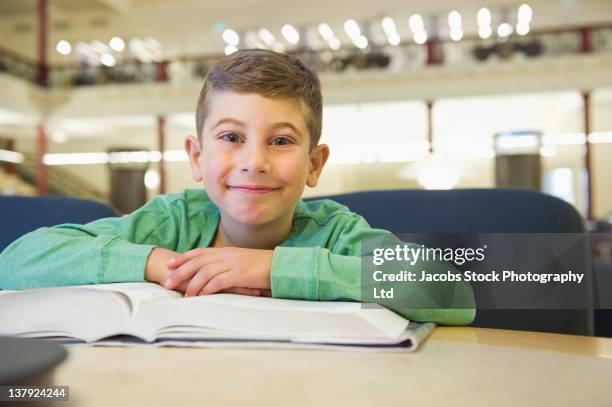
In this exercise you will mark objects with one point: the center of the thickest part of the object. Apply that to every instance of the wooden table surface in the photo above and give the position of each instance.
(454, 367)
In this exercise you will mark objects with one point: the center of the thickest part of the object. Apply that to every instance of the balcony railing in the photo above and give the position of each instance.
(61, 181)
(407, 56)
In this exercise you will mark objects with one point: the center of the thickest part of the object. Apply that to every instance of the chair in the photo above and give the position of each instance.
(479, 211)
(22, 214)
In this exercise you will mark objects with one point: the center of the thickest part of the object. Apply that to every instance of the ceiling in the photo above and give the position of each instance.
(26, 7)
(308, 9)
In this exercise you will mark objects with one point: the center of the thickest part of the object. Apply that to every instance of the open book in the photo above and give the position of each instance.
(140, 313)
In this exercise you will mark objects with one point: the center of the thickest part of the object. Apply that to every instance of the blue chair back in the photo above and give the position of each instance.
(464, 211)
(21, 214)
(479, 211)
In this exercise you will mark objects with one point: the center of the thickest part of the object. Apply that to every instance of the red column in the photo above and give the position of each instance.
(585, 41)
(41, 168)
(433, 43)
(430, 124)
(588, 157)
(161, 71)
(10, 168)
(433, 51)
(161, 141)
(43, 69)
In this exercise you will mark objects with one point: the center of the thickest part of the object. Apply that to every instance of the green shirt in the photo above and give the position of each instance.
(320, 259)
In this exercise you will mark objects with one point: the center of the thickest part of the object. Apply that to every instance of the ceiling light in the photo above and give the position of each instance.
(117, 44)
(438, 177)
(420, 37)
(231, 37)
(334, 43)
(86, 53)
(267, 37)
(103, 158)
(251, 39)
(484, 17)
(100, 47)
(326, 32)
(11, 156)
(291, 34)
(434, 171)
(75, 158)
(456, 34)
(522, 29)
(454, 19)
(63, 47)
(147, 50)
(548, 151)
(525, 14)
(352, 29)
(600, 137)
(153, 43)
(394, 39)
(389, 26)
(230, 49)
(484, 31)
(361, 42)
(151, 179)
(566, 139)
(59, 137)
(416, 23)
(108, 60)
(504, 30)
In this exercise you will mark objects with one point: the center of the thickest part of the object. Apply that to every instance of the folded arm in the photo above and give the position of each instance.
(335, 273)
(105, 251)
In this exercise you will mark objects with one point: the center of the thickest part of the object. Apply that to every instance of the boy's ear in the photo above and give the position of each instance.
(318, 158)
(194, 150)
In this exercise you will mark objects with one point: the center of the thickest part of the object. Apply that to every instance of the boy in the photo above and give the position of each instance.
(258, 123)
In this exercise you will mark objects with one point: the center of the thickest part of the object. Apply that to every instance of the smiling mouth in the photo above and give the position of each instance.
(252, 189)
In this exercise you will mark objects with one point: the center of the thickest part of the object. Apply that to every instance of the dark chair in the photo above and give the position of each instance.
(22, 214)
(479, 211)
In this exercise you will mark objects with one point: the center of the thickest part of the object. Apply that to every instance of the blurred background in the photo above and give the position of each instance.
(96, 96)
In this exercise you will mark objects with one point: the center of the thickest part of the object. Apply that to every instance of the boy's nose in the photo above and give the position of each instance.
(255, 161)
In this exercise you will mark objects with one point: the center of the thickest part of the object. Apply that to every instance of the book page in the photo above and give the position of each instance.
(140, 295)
(236, 316)
(149, 311)
(78, 312)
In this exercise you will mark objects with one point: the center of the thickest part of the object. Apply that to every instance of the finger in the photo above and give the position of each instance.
(219, 282)
(181, 287)
(181, 259)
(254, 292)
(203, 276)
(187, 270)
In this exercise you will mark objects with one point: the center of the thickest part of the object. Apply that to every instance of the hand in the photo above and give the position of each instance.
(156, 269)
(212, 270)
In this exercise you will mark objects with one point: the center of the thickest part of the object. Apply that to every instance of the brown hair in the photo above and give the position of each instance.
(269, 74)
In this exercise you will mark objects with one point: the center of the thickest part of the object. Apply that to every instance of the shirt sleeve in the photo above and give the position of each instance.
(105, 251)
(334, 273)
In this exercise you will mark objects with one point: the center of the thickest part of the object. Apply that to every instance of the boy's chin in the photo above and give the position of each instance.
(248, 219)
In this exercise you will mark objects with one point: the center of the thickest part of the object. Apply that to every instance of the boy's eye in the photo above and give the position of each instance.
(281, 141)
(231, 138)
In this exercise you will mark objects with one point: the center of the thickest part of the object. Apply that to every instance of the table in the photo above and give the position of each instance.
(454, 367)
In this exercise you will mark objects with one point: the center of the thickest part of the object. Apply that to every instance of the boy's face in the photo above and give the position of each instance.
(254, 157)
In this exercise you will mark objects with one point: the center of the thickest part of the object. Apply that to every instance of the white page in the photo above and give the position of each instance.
(407, 342)
(140, 295)
(148, 311)
(248, 317)
(77, 311)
